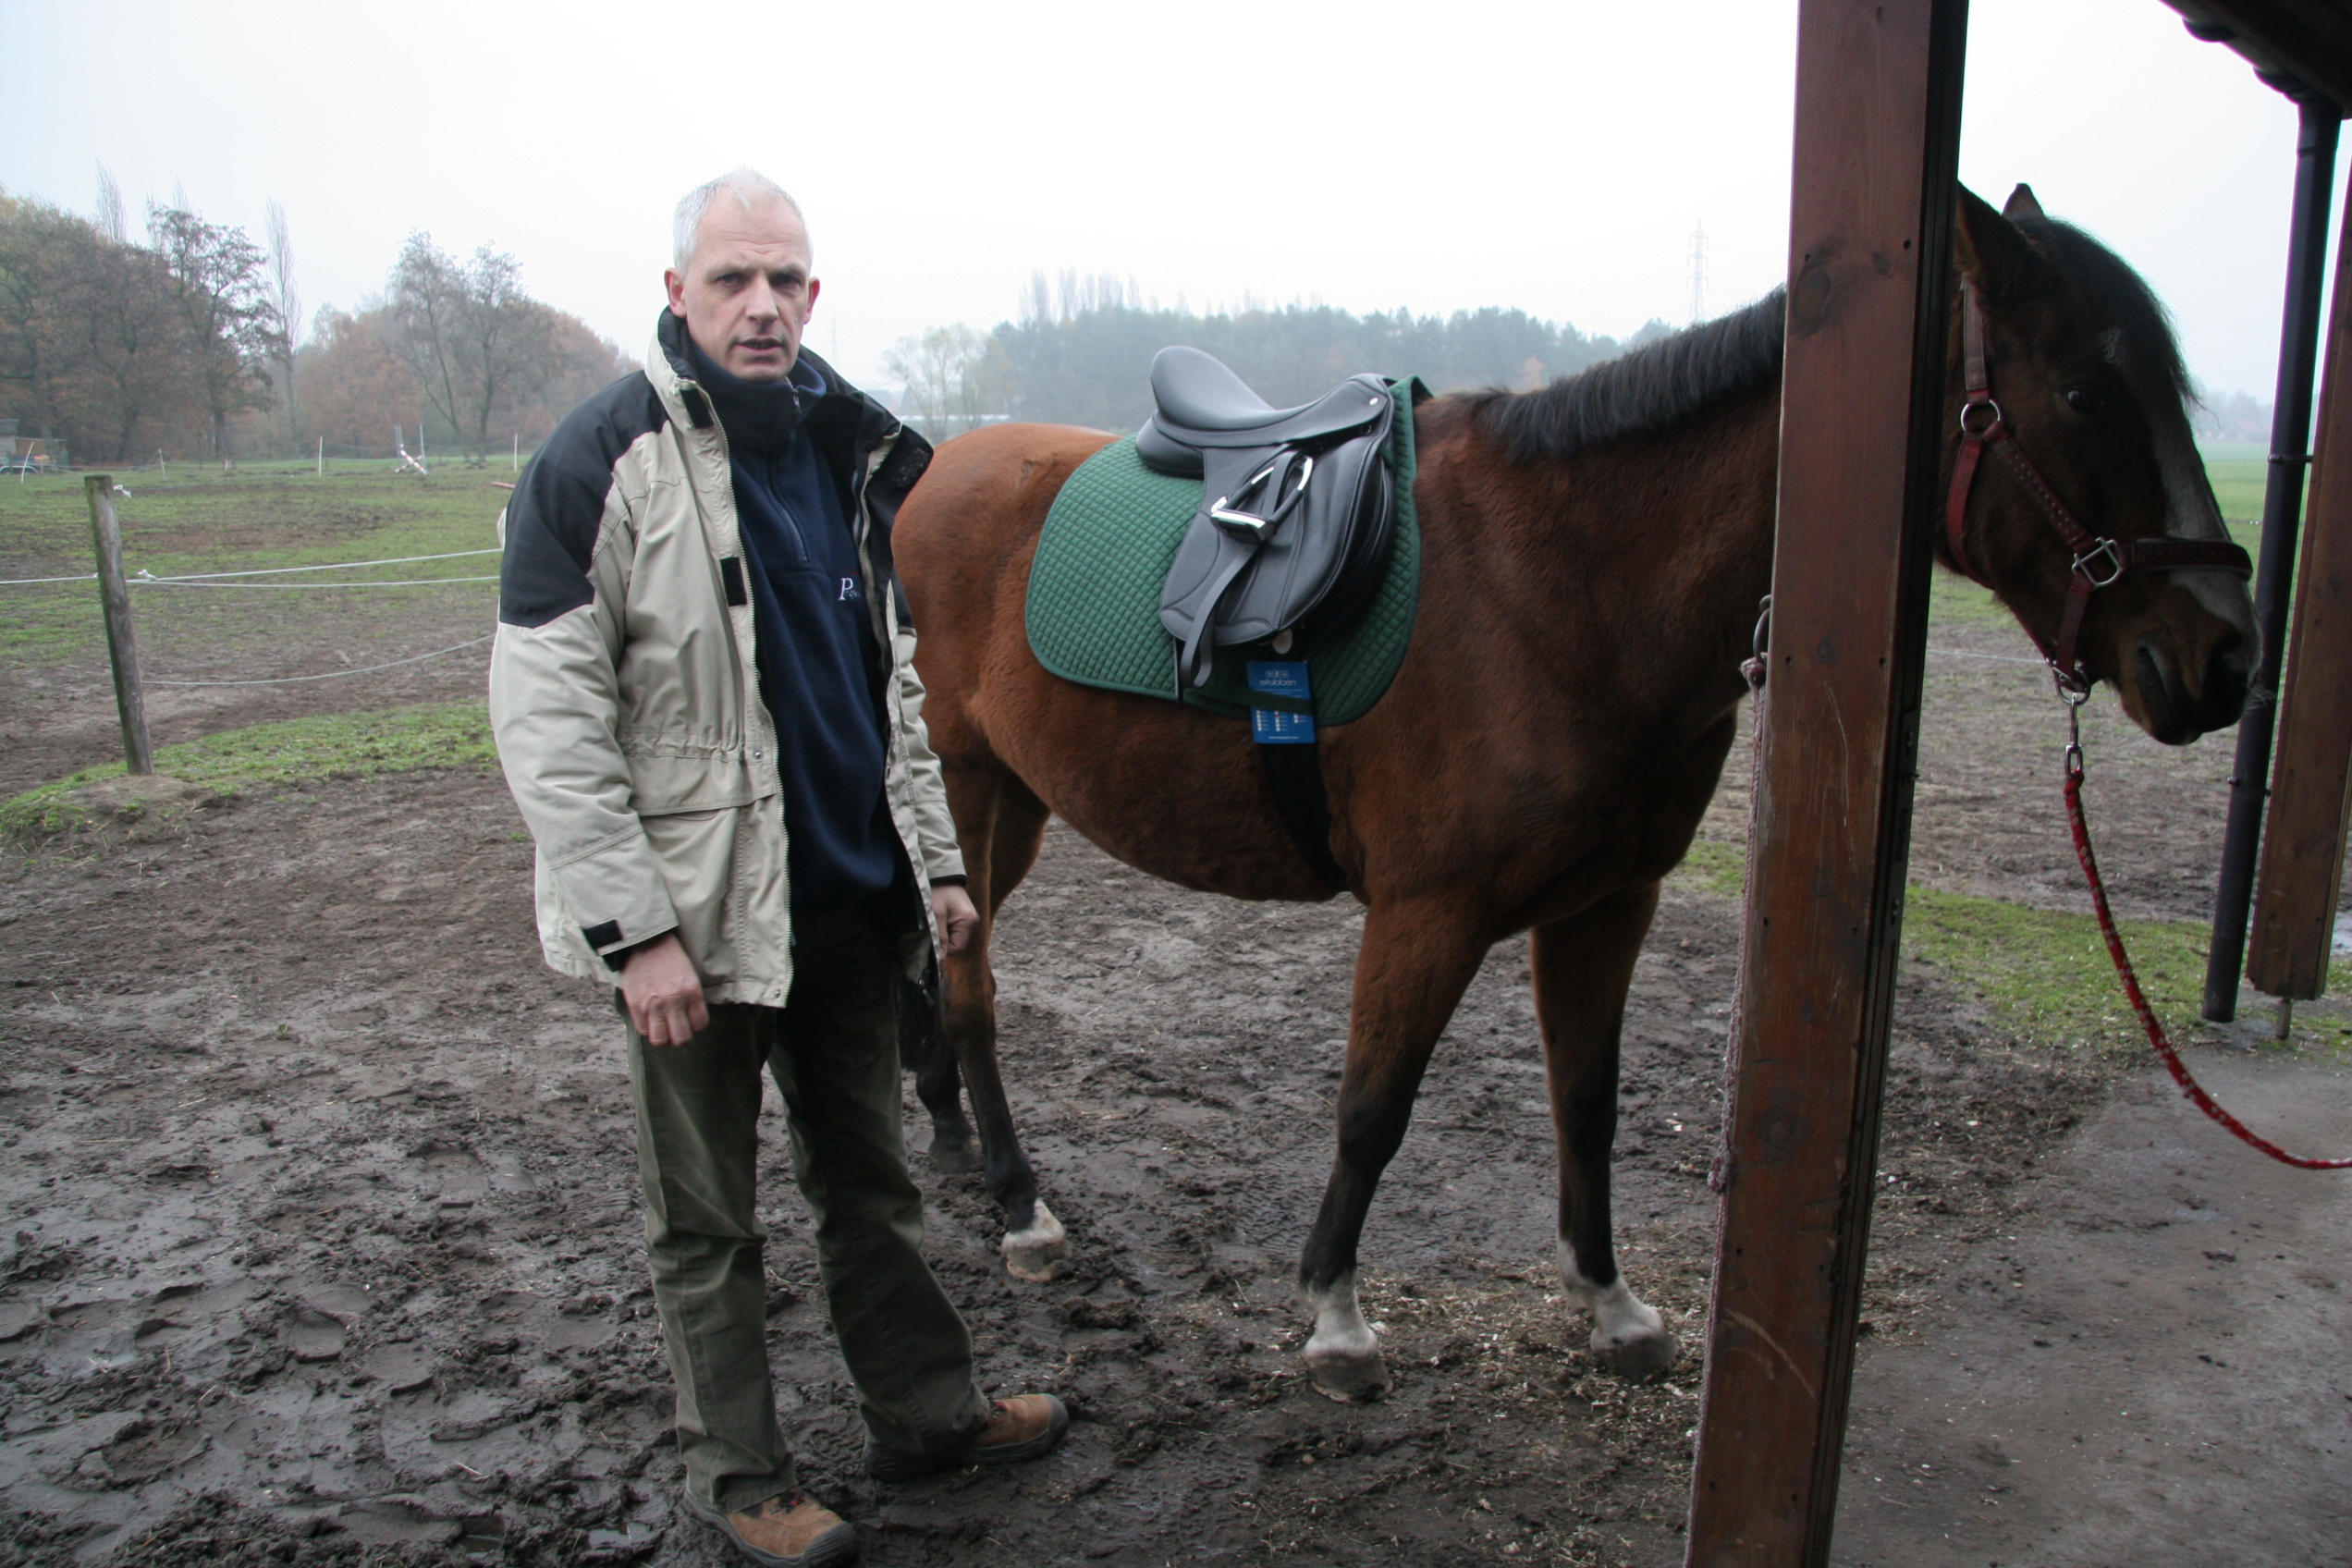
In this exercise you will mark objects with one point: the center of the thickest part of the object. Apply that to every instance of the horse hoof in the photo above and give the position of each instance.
(1350, 1377)
(1638, 1357)
(953, 1160)
(1036, 1265)
(1034, 1253)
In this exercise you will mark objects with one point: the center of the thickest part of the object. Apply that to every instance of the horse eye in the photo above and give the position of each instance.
(2085, 401)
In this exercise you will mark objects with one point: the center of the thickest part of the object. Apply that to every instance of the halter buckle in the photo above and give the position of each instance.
(1972, 406)
(2089, 564)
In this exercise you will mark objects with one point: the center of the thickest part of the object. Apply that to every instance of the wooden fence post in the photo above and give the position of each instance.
(1870, 236)
(130, 702)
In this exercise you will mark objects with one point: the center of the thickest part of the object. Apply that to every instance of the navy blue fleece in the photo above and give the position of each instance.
(819, 672)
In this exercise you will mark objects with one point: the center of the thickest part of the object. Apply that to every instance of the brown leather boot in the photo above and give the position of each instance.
(789, 1531)
(1021, 1428)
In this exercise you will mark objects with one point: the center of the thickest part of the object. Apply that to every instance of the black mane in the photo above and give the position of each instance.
(1673, 382)
(1644, 393)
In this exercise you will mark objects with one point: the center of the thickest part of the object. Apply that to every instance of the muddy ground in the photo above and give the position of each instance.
(323, 1242)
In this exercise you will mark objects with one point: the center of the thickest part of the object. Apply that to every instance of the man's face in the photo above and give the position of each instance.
(746, 296)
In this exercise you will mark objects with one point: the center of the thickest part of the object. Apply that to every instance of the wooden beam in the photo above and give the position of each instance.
(2302, 867)
(1878, 117)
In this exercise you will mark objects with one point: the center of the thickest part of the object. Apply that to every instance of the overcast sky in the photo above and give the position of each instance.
(1556, 156)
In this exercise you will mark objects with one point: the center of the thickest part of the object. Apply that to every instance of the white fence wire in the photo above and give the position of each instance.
(143, 578)
(333, 674)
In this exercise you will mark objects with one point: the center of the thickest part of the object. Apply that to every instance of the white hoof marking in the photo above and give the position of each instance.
(1620, 1317)
(1339, 1328)
(1034, 1253)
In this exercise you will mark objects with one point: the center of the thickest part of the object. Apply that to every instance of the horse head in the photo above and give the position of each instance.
(2075, 488)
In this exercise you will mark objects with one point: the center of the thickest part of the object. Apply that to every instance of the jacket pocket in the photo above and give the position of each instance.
(696, 853)
(664, 783)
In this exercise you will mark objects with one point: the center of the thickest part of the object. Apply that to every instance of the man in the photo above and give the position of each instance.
(707, 708)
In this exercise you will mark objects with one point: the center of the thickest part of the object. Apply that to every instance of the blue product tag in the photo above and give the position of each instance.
(1282, 726)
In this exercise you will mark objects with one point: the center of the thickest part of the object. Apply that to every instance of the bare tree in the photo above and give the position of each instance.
(1038, 301)
(471, 335)
(112, 221)
(285, 298)
(216, 284)
(954, 377)
(506, 337)
(426, 298)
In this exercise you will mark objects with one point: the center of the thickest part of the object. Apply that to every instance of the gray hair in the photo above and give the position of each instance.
(747, 185)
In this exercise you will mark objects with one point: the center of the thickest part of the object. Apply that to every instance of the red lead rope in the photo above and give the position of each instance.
(2172, 1063)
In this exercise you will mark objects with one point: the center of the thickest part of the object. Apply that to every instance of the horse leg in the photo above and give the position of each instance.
(1410, 973)
(1001, 824)
(929, 1043)
(1582, 967)
(925, 1048)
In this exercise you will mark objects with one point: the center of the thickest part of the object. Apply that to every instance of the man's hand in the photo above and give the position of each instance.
(951, 907)
(664, 994)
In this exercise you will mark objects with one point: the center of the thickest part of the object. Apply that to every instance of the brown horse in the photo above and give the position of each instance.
(1593, 554)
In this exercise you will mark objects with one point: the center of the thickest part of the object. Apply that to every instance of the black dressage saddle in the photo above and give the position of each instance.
(1297, 505)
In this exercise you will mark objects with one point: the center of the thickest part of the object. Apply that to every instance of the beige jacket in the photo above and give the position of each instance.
(625, 698)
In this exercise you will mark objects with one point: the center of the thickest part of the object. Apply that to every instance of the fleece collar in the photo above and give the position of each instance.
(762, 415)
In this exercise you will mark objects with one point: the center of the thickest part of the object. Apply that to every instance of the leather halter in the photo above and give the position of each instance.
(2098, 560)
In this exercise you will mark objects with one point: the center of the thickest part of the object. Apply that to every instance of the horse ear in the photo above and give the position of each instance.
(2022, 204)
(1992, 251)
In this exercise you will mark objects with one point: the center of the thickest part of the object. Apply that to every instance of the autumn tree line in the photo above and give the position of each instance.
(188, 340)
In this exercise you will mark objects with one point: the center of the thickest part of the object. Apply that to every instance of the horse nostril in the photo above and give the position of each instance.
(2175, 715)
(2228, 677)
(2164, 706)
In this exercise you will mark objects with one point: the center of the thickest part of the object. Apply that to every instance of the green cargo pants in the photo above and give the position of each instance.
(833, 1048)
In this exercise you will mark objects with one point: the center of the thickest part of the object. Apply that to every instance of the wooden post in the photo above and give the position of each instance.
(1877, 119)
(105, 533)
(2302, 865)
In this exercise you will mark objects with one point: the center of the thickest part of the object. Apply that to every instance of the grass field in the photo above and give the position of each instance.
(2239, 470)
(2043, 974)
(199, 520)
(299, 751)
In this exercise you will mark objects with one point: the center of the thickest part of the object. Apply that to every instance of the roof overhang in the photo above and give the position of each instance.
(2301, 47)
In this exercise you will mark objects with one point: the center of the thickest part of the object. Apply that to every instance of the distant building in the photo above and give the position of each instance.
(27, 454)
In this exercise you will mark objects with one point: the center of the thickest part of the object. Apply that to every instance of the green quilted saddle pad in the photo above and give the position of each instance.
(1103, 558)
